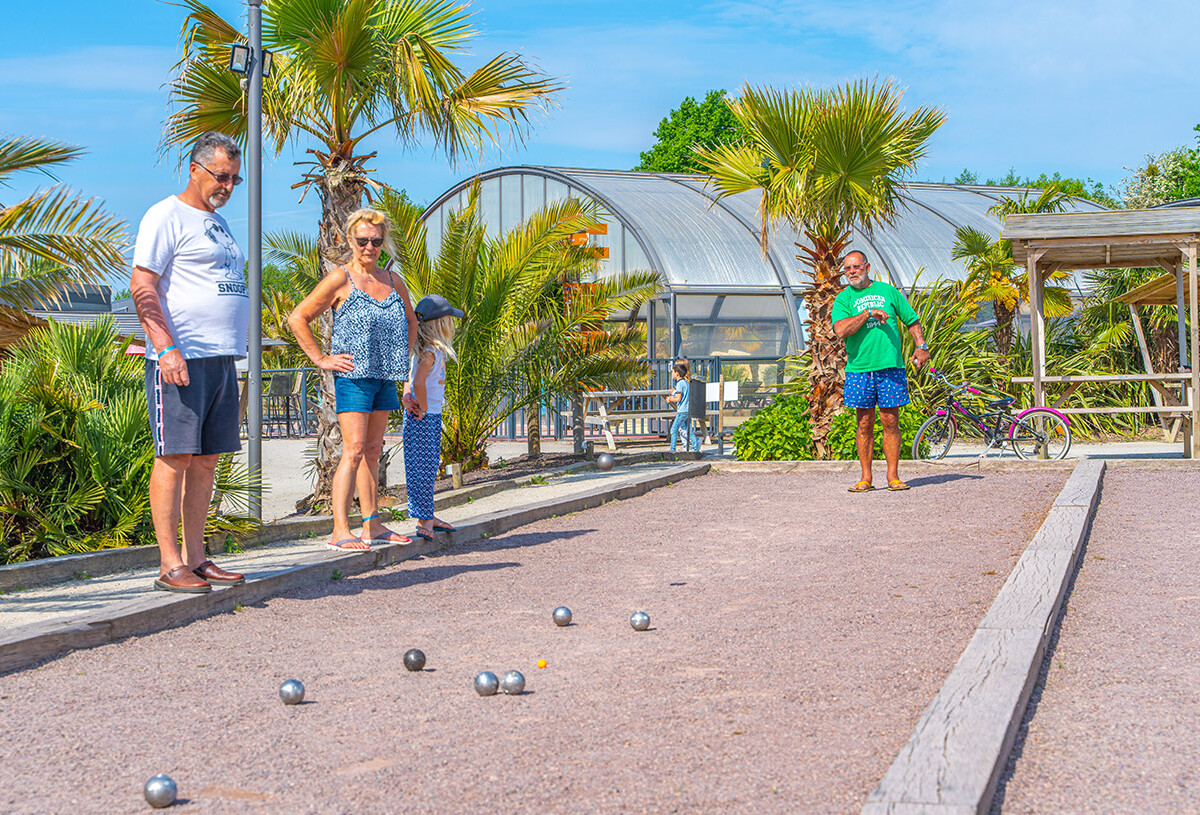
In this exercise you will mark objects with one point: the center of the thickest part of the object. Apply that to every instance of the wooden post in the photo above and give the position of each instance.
(456, 475)
(1037, 327)
(1194, 312)
(1135, 317)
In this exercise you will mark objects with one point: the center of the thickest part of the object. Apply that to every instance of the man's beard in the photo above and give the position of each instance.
(217, 200)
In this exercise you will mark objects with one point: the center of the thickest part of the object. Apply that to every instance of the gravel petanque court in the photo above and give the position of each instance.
(797, 633)
(1115, 726)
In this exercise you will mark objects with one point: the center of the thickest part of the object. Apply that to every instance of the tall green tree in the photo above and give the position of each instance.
(54, 238)
(827, 161)
(528, 334)
(703, 124)
(1077, 187)
(343, 71)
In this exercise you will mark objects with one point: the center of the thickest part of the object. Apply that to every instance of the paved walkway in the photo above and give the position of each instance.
(64, 601)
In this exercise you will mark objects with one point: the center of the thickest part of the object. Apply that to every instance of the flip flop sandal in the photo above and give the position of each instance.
(898, 486)
(443, 528)
(421, 533)
(389, 537)
(338, 545)
(861, 486)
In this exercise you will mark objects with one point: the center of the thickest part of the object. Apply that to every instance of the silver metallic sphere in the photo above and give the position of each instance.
(160, 791)
(513, 683)
(292, 692)
(605, 461)
(562, 616)
(414, 659)
(640, 620)
(486, 683)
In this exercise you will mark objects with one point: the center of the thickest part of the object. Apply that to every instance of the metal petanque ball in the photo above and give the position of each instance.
(605, 461)
(292, 692)
(414, 659)
(486, 683)
(513, 683)
(640, 620)
(160, 791)
(562, 616)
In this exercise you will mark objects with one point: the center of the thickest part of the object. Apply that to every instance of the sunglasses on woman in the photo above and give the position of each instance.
(376, 242)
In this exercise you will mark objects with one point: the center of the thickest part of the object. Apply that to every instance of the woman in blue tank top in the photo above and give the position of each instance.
(373, 328)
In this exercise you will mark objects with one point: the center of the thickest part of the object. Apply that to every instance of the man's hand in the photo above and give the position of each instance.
(920, 357)
(172, 367)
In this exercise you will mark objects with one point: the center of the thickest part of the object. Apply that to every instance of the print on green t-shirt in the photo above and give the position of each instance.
(875, 346)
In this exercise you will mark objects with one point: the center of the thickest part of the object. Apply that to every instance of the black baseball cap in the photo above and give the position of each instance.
(432, 306)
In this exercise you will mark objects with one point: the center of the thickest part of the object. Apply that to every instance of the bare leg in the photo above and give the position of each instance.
(166, 498)
(890, 418)
(367, 477)
(197, 496)
(864, 437)
(354, 433)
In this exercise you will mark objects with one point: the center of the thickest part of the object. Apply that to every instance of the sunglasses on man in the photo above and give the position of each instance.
(222, 178)
(376, 242)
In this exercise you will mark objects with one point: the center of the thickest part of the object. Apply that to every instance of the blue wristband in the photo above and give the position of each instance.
(164, 351)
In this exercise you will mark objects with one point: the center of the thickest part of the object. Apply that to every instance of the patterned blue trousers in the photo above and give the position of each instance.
(422, 453)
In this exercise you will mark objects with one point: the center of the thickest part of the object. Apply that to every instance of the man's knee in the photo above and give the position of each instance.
(890, 418)
(866, 418)
(204, 464)
(177, 463)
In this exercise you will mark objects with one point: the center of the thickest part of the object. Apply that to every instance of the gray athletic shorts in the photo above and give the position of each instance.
(200, 418)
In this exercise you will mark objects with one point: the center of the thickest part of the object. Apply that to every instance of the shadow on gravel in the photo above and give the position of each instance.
(517, 541)
(944, 478)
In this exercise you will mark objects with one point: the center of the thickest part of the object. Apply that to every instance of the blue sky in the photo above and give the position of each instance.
(1082, 87)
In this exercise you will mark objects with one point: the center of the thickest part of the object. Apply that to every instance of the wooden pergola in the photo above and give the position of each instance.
(1167, 238)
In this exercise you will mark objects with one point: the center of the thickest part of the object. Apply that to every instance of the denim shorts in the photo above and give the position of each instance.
(364, 395)
(886, 389)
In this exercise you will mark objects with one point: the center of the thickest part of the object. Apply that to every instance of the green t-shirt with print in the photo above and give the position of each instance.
(875, 346)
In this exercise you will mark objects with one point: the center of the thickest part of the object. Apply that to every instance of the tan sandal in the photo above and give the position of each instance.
(861, 486)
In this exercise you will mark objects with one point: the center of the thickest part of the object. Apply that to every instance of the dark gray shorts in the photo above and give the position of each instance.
(200, 418)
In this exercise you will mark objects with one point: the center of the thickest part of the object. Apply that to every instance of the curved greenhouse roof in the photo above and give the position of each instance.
(675, 225)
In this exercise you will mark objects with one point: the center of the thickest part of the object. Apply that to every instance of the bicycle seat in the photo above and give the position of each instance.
(1001, 404)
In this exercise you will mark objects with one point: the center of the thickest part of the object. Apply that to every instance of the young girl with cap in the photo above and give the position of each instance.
(423, 418)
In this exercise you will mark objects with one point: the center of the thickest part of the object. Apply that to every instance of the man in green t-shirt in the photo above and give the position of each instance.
(863, 315)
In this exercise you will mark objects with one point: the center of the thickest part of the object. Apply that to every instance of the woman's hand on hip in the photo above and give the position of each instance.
(336, 362)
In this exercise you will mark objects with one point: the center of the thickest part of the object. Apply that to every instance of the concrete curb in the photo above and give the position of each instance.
(906, 466)
(955, 756)
(25, 646)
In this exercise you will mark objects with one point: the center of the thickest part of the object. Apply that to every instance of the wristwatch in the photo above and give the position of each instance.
(922, 347)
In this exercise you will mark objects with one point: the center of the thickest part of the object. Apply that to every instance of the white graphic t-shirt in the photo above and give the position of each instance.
(201, 284)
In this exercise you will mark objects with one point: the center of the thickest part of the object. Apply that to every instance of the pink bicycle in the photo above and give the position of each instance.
(1039, 432)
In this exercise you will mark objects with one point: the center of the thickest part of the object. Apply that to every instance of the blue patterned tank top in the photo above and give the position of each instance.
(374, 332)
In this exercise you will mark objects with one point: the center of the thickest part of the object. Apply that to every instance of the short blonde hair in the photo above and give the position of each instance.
(436, 335)
(375, 218)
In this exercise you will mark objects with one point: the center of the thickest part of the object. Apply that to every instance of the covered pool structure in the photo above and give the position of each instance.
(723, 297)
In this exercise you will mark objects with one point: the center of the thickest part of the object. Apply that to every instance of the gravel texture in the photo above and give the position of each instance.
(797, 633)
(1114, 729)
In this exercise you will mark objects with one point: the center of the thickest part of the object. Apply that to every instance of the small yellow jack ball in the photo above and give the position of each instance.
(541, 663)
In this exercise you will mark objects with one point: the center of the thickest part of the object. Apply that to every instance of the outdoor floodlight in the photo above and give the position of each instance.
(267, 58)
(239, 58)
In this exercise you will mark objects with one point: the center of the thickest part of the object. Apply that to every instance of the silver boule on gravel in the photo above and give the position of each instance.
(160, 791)
(292, 692)
(513, 683)
(414, 659)
(486, 683)
(562, 616)
(640, 620)
(605, 461)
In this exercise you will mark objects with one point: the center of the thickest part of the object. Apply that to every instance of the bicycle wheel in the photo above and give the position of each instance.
(1040, 429)
(934, 438)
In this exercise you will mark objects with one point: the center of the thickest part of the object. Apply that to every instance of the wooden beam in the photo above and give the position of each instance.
(1193, 400)
(1135, 316)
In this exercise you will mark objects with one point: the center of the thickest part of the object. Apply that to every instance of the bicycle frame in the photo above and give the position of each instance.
(996, 434)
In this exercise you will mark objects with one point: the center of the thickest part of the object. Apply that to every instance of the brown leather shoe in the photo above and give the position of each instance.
(181, 579)
(215, 574)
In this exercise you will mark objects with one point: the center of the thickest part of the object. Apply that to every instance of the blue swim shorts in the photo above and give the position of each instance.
(886, 389)
(364, 395)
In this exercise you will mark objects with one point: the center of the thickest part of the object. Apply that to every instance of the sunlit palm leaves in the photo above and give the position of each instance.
(54, 237)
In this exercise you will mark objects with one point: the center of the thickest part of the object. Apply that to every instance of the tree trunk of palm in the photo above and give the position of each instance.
(1003, 332)
(533, 431)
(341, 189)
(827, 351)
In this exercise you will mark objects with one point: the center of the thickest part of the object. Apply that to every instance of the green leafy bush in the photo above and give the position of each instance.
(778, 432)
(841, 438)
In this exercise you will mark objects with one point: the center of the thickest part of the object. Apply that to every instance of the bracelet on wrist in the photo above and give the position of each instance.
(167, 350)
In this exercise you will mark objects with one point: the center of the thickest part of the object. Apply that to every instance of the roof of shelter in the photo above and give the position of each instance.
(1158, 292)
(700, 242)
(1097, 240)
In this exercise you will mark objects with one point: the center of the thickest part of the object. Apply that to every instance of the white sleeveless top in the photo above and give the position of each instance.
(435, 382)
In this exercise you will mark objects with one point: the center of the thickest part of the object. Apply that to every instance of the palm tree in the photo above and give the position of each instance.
(827, 161)
(54, 238)
(995, 278)
(528, 334)
(344, 70)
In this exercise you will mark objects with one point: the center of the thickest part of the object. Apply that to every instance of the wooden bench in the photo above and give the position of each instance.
(1168, 404)
(603, 409)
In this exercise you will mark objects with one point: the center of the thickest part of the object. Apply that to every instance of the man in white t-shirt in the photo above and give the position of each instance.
(191, 298)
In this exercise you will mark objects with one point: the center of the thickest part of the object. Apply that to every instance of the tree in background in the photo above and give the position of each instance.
(827, 161)
(1079, 188)
(707, 124)
(54, 238)
(344, 70)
